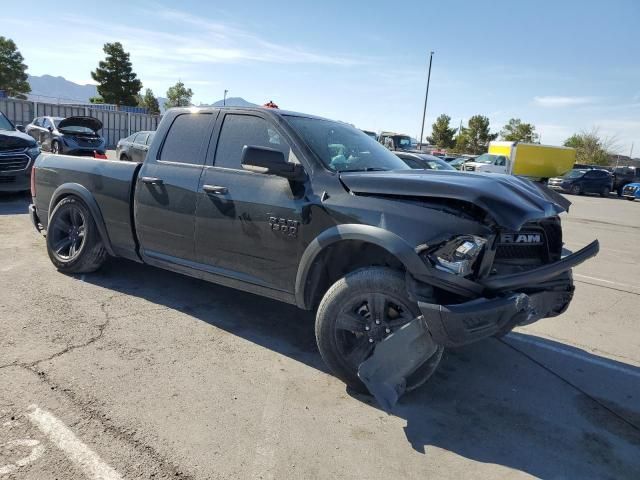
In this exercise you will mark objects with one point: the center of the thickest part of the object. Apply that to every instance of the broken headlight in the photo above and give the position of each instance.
(458, 256)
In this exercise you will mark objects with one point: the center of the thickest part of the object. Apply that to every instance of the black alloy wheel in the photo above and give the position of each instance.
(68, 233)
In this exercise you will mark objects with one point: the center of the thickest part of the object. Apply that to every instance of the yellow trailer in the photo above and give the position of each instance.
(529, 160)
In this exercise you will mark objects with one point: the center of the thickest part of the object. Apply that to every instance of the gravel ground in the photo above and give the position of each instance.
(134, 372)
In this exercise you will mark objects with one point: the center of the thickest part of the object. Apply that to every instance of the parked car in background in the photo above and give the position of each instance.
(459, 162)
(396, 141)
(423, 161)
(580, 181)
(17, 154)
(623, 176)
(69, 136)
(134, 148)
(631, 191)
(530, 160)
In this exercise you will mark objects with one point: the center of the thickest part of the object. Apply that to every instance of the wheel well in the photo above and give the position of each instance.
(340, 258)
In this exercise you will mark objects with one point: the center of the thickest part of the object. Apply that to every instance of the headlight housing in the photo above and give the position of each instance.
(458, 256)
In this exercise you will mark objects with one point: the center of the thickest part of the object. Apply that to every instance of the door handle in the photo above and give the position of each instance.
(215, 189)
(152, 180)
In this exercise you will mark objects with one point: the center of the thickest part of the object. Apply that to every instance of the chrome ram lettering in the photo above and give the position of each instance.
(521, 238)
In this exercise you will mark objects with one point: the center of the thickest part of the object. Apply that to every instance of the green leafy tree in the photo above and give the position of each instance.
(117, 83)
(516, 131)
(476, 136)
(590, 147)
(150, 102)
(442, 135)
(178, 96)
(13, 76)
(97, 99)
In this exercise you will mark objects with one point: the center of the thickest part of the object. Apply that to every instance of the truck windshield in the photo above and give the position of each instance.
(5, 124)
(403, 142)
(342, 147)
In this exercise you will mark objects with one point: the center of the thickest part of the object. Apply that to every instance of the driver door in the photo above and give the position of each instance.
(247, 223)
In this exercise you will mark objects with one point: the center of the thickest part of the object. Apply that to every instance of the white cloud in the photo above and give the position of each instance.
(558, 101)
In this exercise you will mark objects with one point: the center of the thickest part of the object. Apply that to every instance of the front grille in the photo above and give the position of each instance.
(13, 160)
(537, 241)
(7, 179)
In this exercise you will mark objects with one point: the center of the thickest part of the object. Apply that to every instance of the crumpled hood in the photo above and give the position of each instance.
(88, 122)
(510, 200)
(13, 139)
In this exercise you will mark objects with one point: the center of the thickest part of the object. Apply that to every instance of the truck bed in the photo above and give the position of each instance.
(109, 182)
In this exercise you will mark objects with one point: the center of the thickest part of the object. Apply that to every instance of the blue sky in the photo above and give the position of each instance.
(563, 65)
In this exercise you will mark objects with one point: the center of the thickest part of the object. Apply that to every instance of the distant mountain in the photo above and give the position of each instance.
(233, 102)
(47, 88)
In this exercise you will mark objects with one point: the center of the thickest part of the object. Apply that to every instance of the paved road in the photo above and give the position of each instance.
(135, 372)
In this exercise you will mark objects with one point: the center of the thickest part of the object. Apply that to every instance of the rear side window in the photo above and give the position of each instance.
(185, 138)
(240, 130)
(142, 138)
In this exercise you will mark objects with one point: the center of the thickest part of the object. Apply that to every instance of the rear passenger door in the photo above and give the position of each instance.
(167, 188)
(235, 234)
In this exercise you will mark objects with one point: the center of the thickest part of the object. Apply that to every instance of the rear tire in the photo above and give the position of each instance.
(343, 349)
(73, 242)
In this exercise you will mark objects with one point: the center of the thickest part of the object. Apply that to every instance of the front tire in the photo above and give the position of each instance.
(576, 190)
(346, 329)
(73, 242)
(605, 192)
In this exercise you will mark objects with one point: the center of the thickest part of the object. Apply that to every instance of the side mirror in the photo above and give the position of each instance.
(271, 162)
(50, 129)
(20, 128)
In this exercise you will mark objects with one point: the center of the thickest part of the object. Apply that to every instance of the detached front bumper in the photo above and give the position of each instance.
(461, 324)
(504, 301)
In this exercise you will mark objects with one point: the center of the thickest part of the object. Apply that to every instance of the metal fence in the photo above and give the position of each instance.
(116, 125)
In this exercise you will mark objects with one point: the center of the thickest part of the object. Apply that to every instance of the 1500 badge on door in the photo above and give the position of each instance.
(285, 226)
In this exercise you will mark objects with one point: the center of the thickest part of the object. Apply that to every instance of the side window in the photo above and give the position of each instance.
(240, 130)
(142, 138)
(185, 137)
(46, 123)
(150, 138)
(132, 138)
(501, 161)
(37, 122)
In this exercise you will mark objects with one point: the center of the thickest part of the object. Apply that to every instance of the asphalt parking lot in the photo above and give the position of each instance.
(134, 372)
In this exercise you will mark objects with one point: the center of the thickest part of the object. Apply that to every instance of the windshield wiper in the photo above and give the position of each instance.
(367, 169)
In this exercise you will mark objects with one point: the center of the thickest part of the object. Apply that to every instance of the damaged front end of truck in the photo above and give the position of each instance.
(470, 286)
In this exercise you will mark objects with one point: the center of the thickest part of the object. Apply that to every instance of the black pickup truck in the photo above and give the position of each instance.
(398, 263)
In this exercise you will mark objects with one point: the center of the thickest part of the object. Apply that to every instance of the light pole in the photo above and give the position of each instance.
(426, 96)
(224, 100)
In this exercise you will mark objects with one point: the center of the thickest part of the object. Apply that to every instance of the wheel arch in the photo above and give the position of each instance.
(76, 190)
(360, 243)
